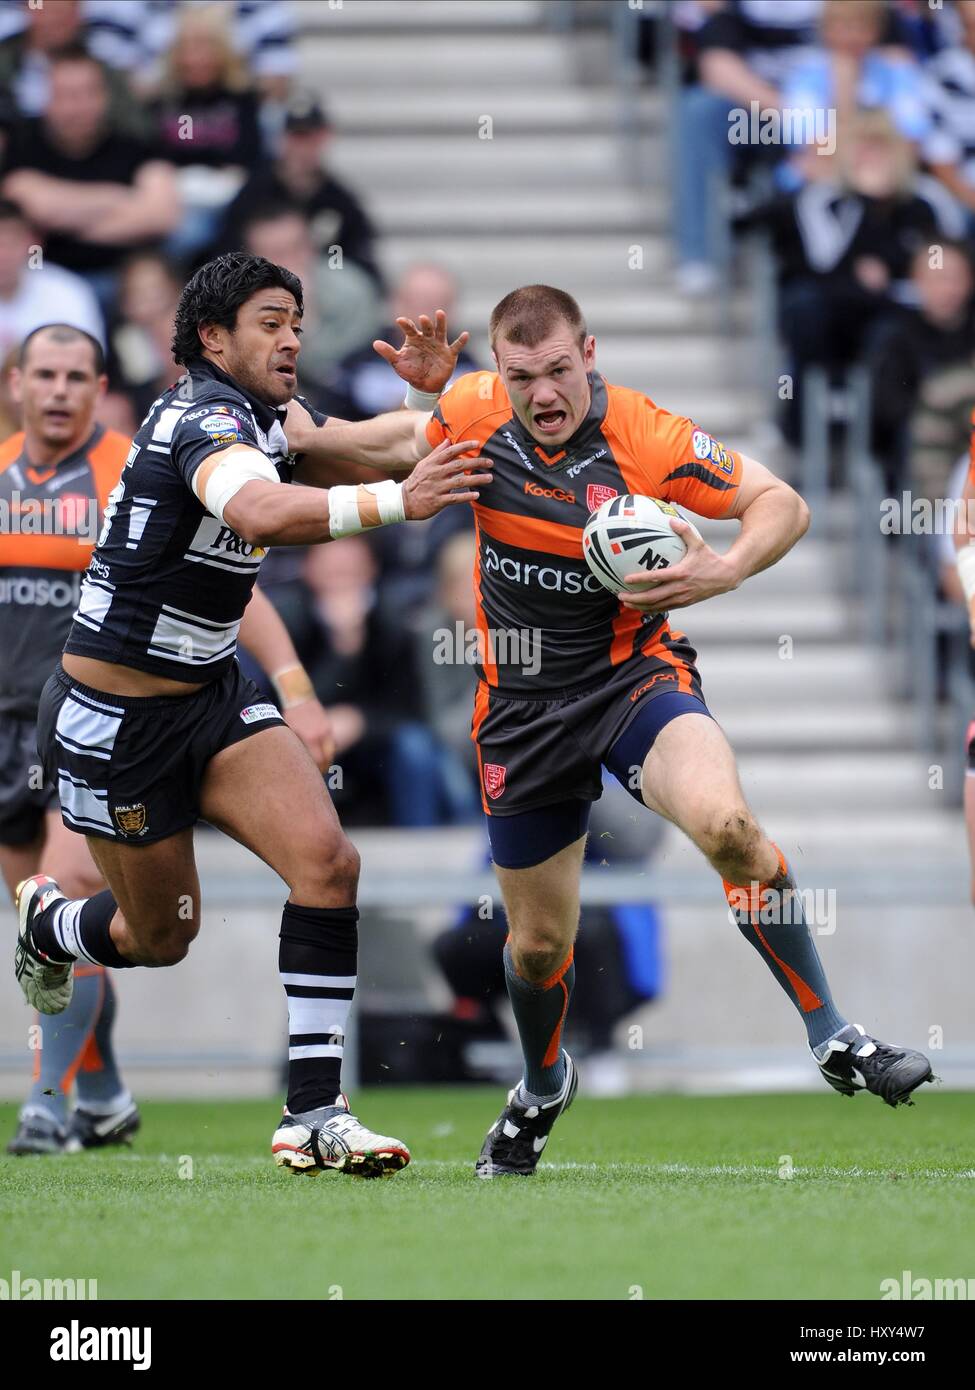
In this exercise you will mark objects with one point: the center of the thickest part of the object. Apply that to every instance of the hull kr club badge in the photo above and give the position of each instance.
(494, 779)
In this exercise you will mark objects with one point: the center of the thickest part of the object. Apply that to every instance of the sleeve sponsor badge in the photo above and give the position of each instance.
(711, 451)
(222, 427)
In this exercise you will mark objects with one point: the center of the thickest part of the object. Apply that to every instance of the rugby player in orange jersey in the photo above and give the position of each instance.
(590, 681)
(65, 464)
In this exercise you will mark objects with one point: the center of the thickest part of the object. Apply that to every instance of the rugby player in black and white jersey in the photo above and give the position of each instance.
(149, 724)
(65, 464)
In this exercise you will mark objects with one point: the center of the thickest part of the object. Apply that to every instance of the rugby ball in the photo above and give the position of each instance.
(631, 533)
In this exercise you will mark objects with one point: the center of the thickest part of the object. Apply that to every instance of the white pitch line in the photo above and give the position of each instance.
(691, 1170)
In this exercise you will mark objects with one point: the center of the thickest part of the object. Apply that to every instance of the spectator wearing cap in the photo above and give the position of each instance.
(33, 291)
(298, 175)
(342, 304)
(206, 123)
(94, 193)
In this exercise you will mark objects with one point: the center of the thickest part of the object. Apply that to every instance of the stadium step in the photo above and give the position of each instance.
(655, 308)
(384, 16)
(495, 165)
(756, 724)
(840, 782)
(482, 62)
(558, 212)
(564, 111)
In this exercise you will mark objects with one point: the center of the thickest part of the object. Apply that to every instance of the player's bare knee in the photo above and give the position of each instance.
(731, 842)
(171, 946)
(539, 951)
(327, 872)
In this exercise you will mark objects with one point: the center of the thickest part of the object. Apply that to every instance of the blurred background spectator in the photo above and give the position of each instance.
(363, 384)
(31, 36)
(341, 299)
(844, 246)
(857, 66)
(140, 363)
(915, 340)
(206, 122)
(742, 52)
(33, 290)
(92, 191)
(949, 146)
(298, 174)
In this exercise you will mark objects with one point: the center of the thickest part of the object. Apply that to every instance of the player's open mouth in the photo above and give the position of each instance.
(58, 417)
(287, 372)
(550, 421)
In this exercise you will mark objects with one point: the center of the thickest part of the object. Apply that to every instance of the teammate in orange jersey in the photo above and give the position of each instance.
(55, 478)
(572, 679)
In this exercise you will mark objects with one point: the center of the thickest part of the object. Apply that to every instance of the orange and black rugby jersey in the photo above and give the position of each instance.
(531, 577)
(49, 521)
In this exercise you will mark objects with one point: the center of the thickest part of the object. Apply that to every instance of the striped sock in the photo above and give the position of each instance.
(79, 929)
(540, 1011)
(317, 961)
(770, 916)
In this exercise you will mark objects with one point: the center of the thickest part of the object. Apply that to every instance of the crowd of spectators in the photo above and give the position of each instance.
(138, 138)
(868, 210)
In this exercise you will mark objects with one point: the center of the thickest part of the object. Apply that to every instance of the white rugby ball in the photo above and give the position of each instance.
(631, 533)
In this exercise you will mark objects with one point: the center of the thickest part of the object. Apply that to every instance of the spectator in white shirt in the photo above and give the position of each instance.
(31, 291)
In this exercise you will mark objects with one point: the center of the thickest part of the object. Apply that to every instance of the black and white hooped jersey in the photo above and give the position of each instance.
(168, 582)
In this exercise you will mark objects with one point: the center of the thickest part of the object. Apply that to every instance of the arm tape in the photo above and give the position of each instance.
(355, 509)
(236, 467)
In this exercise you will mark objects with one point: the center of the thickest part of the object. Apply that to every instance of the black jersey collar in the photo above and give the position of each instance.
(264, 414)
(579, 444)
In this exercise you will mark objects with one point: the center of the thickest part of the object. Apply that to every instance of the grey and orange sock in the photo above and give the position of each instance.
(100, 1088)
(65, 1039)
(770, 916)
(540, 1011)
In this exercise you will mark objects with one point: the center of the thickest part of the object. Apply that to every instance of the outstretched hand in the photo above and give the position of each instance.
(425, 359)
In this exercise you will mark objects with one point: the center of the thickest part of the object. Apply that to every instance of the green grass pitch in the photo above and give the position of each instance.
(657, 1196)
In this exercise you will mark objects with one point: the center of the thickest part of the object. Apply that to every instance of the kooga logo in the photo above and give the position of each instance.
(545, 576)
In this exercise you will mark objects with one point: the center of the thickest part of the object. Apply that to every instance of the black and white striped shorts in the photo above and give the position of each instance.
(130, 768)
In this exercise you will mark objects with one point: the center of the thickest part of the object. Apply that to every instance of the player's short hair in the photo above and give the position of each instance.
(64, 333)
(217, 291)
(528, 315)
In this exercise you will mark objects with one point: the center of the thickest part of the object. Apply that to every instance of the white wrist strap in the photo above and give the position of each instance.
(355, 509)
(966, 569)
(421, 400)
